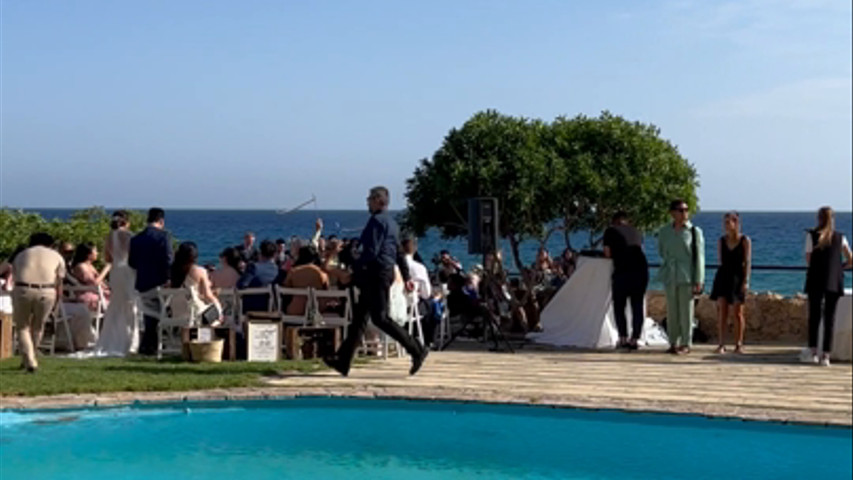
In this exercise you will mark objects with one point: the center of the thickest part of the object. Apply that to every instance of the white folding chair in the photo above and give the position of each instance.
(173, 320)
(241, 295)
(321, 297)
(58, 319)
(71, 292)
(230, 312)
(414, 320)
(300, 320)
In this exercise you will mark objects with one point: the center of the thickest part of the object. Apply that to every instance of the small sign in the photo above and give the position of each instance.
(205, 335)
(263, 340)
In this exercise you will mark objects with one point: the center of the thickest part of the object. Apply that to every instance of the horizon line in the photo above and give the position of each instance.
(268, 209)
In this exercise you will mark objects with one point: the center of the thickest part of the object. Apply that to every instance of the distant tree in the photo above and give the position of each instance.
(613, 164)
(491, 155)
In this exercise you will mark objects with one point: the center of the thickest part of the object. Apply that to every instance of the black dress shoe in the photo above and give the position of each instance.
(32, 369)
(418, 361)
(337, 365)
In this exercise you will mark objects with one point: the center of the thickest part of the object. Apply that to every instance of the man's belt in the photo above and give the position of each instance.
(37, 286)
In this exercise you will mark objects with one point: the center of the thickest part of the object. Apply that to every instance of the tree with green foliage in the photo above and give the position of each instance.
(491, 155)
(89, 225)
(613, 164)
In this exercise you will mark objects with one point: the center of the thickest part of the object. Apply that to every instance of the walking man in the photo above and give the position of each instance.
(624, 244)
(373, 274)
(682, 272)
(38, 271)
(151, 257)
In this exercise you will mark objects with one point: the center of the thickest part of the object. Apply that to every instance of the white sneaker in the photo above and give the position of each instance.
(808, 357)
(824, 362)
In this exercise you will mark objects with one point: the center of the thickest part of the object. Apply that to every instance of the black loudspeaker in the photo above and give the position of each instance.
(483, 232)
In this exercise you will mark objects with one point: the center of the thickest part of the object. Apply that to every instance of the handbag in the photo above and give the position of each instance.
(210, 315)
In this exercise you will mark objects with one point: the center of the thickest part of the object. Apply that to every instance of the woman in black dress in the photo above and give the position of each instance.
(732, 281)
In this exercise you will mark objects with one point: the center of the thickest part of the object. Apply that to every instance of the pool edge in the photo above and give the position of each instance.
(722, 412)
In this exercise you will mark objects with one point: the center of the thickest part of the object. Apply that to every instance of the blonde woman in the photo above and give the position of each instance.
(824, 281)
(734, 251)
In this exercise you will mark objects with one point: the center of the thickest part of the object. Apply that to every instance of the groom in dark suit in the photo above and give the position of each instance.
(151, 257)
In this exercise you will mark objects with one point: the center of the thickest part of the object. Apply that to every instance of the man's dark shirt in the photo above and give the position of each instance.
(379, 247)
(248, 255)
(257, 275)
(626, 250)
(151, 255)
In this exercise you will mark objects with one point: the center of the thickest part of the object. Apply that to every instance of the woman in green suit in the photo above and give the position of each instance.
(682, 273)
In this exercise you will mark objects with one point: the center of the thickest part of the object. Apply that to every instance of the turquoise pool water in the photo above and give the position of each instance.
(320, 438)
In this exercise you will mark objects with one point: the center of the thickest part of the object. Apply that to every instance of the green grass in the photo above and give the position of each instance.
(65, 375)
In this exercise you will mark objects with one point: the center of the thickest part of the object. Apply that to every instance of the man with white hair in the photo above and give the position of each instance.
(373, 273)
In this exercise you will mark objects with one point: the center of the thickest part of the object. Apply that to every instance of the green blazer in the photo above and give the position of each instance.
(676, 255)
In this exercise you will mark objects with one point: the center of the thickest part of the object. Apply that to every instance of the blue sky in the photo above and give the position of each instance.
(249, 104)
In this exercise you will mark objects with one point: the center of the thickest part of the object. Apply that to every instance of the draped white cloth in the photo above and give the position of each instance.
(842, 338)
(581, 313)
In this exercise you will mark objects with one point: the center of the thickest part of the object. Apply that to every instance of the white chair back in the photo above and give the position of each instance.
(241, 295)
(177, 311)
(70, 293)
(302, 319)
(414, 314)
(230, 312)
(59, 320)
(323, 297)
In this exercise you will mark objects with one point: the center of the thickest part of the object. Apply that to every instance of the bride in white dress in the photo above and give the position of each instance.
(120, 334)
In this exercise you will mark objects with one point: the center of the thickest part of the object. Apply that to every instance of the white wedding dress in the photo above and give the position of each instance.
(120, 334)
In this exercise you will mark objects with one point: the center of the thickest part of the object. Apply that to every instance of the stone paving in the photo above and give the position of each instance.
(765, 384)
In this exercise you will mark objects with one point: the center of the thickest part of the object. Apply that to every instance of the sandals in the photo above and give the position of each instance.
(720, 350)
(739, 349)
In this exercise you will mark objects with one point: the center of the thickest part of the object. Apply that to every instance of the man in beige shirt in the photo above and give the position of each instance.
(38, 272)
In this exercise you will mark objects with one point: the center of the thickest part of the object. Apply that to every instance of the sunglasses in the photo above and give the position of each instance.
(682, 209)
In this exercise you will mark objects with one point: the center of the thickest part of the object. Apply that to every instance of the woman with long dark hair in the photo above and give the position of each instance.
(187, 274)
(228, 273)
(84, 271)
(824, 281)
(731, 283)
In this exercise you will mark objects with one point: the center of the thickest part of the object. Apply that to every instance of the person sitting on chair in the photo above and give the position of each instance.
(305, 274)
(260, 274)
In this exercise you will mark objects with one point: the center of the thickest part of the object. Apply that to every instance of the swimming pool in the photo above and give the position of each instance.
(326, 438)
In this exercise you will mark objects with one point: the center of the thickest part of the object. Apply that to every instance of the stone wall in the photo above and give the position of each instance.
(769, 317)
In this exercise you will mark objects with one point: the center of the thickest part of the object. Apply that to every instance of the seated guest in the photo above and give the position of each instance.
(305, 274)
(83, 269)
(185, 273)
(331, 264)
(292, 254)
(66, 249)
(280, 252)
(247, 250)
(420, 277)
(448, 266)
(262, 273)
(228, 273)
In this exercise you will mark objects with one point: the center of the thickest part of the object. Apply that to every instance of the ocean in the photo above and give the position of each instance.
(778, 237)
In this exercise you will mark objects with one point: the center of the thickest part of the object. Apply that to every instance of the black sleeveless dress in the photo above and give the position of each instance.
(728, 283)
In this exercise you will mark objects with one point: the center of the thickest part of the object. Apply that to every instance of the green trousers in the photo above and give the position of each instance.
(679, 315)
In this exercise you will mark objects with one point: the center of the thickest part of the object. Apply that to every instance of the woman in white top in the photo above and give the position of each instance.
(187, 274)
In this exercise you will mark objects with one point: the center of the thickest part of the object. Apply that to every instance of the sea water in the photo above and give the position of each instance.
(778, 237)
